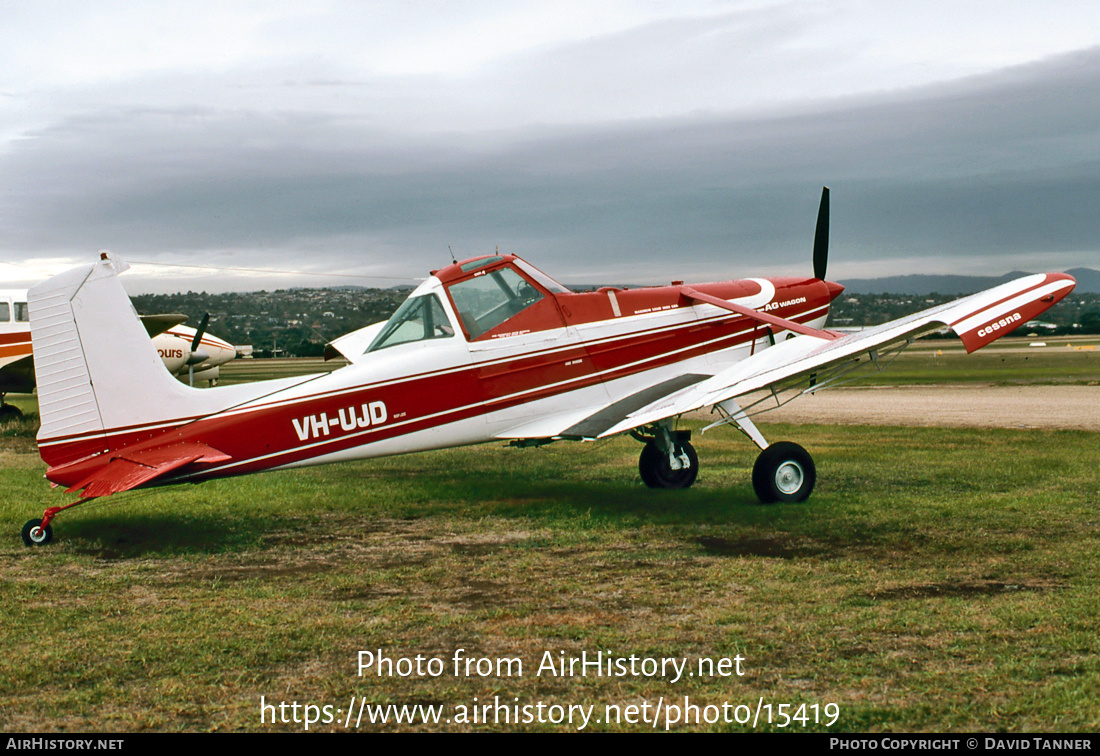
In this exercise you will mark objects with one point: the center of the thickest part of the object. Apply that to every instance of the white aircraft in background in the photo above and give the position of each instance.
(16, 367)
(186, 352)
(192, 352)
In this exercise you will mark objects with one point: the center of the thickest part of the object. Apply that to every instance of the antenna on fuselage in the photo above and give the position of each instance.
(453, 260)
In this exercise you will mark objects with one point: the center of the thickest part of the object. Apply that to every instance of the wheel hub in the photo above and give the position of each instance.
(789, 477)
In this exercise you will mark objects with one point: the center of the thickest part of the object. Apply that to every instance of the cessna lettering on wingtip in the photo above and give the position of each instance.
(313, 426)
(486, 349)
(1002, 323)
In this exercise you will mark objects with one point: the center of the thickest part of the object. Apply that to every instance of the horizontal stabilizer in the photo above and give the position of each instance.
(129, 470)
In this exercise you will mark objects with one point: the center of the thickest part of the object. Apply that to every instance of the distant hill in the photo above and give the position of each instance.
(1088, 282)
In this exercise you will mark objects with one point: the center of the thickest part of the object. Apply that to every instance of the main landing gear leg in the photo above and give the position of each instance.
(37, 532)
(668, 459)
(783, 471)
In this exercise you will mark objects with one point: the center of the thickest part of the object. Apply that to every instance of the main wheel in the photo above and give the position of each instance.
(36, 535)
(783, 472)
(657, 472)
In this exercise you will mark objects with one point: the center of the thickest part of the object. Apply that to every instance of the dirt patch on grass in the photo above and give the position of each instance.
(955, 406)
(480, 543)
(951, 589)
(780, 547)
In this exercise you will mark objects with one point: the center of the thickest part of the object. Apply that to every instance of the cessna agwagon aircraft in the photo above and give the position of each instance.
(484, 350)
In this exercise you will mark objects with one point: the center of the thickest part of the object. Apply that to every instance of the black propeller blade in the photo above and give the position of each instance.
(206, 320)
(196, 355)
(821, 237)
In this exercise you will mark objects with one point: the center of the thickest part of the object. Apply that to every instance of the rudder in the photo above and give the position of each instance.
(95, 367)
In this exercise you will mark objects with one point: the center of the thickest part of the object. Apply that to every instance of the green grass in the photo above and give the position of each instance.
(937, 580)
(1008, 361)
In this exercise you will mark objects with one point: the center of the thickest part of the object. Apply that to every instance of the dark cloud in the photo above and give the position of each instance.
(960, 177)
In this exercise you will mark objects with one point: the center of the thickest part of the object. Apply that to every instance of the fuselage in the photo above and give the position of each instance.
(480, 349)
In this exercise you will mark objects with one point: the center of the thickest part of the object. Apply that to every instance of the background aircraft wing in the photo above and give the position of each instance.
(155, 325)
(978, 320)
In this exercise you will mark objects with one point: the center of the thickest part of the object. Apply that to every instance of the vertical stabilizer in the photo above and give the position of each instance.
(98, 373)
(66, 402)
(96, 368)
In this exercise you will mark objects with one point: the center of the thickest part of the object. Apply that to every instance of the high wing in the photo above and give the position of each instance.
(352, 346)
(977, 319)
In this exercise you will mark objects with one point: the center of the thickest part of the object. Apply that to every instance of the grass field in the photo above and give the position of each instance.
(1006, 361)
(936, 580)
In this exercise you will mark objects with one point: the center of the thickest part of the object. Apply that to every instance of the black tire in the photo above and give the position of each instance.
(35, 535)
(783, 472)
(656, 471)
(9, 412)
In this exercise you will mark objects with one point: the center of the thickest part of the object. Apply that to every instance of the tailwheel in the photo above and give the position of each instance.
(34, 534)
(783, 472)
(676, 468)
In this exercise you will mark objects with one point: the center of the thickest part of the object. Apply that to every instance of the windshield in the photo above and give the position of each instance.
(486, 301)
(419, 318)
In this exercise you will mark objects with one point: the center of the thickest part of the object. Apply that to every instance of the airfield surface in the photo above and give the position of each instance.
(955, 406)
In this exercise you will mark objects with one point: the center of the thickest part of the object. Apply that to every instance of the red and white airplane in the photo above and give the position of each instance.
(484, 350)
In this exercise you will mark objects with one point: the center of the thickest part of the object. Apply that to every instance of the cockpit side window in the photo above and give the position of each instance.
(5, 312)
(22, 314)
(486, 301)
(418, 319)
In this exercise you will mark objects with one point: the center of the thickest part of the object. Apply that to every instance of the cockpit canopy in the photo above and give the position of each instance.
(489, 297)
(419, 318)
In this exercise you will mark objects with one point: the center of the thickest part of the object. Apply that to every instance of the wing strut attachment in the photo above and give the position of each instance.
(749, 312)
(732, 413)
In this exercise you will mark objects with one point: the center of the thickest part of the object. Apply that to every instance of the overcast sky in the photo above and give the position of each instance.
(623, 141)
